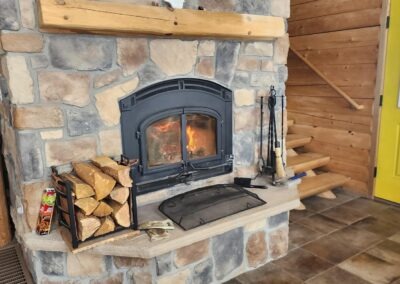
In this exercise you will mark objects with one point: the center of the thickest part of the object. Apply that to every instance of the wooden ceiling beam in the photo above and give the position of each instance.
(85, 16)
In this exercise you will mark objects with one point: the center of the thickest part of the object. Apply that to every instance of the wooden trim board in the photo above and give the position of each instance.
(122, 18)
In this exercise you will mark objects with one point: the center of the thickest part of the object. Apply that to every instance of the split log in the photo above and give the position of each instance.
(87, 225)
(102, 210)
(120, 173)
(103, 161)
(120, 194)
(80, 188)
(87, 205)
(102, 183)
(107, 226)
(121, 213)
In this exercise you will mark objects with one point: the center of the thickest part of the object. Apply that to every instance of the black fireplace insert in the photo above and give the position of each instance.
(180, 130)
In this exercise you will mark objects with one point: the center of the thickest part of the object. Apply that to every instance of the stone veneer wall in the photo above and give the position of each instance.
(63, 91)
(213, 260)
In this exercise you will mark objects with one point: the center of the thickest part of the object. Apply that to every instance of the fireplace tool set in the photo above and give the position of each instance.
(273, 166)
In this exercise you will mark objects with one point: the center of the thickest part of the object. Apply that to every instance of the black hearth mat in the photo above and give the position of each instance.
(204, 205)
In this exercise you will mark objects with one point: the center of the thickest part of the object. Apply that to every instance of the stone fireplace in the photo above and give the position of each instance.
(69, 97)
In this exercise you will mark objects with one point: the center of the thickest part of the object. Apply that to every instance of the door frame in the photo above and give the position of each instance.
(379, 89)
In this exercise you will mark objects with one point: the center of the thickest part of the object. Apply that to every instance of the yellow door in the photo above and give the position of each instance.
(388, 177)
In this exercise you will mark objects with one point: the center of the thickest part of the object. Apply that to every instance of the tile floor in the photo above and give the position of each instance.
(344, 240)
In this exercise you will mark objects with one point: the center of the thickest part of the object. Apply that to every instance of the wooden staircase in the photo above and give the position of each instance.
(315, 182)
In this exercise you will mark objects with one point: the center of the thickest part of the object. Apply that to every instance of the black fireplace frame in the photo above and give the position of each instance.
(180, 96)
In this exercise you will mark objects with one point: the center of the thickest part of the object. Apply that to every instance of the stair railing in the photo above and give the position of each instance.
(329, 82)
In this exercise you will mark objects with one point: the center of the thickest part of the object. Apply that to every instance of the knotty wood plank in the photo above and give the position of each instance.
(121, 18)
(296, 140)
(317, 119)
(342, 137)
(357, 92)
(340, 75)
(328, 7)
(355, 171)
(337, 56)
(350, 118)
(357, 187)
(337, 39)
(337, 152)
(298, 2)
(338, 22)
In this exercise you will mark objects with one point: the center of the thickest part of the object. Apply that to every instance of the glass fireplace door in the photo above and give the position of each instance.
(166, 144)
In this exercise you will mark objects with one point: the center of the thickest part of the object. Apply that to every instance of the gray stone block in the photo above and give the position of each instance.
(163, 264)
(39, 61)
(31, 156)
(8, 15)
(277, 220)
(255, 7)
(52, 263)
(150, 74)
(81, 52)
(226, 59)
(82, 121)
(244, 148)
(228, 252)
(202, 272)
(241, 79)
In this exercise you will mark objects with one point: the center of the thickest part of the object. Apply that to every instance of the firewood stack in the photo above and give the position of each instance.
(101, 191)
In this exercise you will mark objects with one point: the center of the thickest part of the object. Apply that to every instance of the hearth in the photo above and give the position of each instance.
(180, 130)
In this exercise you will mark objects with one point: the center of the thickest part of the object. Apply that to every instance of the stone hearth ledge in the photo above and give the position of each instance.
(279, 200)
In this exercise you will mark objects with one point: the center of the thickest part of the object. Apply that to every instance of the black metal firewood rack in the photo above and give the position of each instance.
(66, 209)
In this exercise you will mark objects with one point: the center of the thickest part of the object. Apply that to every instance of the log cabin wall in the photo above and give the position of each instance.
(342, 39)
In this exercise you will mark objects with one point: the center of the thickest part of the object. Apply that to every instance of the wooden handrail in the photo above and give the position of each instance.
(329, 82)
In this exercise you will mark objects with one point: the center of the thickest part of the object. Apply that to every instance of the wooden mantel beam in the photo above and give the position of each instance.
(120, 18)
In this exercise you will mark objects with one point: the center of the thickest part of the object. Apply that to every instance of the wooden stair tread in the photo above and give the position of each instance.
(297, 140)
(307, 161)
(320, 183)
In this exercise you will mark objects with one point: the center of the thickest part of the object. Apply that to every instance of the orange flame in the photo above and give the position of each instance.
(191, 141)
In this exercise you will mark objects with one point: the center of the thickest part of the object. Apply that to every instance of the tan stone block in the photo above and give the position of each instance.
(51, 134)
(22, 42)
(206, 67)
(107, 101)
(27, 13)
(259, 48)
(111, 142)
(106, 78)
(32, 195)
(256, 226)
(132, 53)
(281, 49)
(278, 242)
(245, 119)
(62, 152)
(244, 97)
(174, 56)
(69, 88)
(115, 279)
(191, 253)
(246, 171)
(181, 277)
(256, 249)
(35, 117)
(206, 48)
(247, 63)
(84, 264)
(142, 277)
(267, 65)
(19, 80)
(129, 262)
(280, 8)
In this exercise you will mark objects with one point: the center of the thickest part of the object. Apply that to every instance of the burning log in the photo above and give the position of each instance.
(102, 183)
(120, 194)
(87, 205)
(102, 210)
(80, 188)
(107, 226)
(87, 226)
(121, 213)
